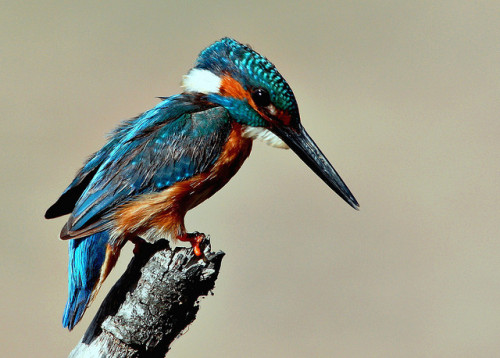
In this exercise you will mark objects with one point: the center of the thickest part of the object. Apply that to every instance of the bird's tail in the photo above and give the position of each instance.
(90, 261)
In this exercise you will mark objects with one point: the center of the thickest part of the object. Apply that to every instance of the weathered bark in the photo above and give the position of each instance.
(152, 303)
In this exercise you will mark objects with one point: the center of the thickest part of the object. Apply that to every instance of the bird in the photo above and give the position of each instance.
(157, 166)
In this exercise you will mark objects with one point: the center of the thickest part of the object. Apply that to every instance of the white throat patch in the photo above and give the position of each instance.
(202, 81)
(264, 135)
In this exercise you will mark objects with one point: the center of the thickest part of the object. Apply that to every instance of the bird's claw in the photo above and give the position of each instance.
(195, 239)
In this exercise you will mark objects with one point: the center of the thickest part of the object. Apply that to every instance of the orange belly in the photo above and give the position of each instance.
(161, 215)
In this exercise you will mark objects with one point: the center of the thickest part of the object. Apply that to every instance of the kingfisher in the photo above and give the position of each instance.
(164, 162)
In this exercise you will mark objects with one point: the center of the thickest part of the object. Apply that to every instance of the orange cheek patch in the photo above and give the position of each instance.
(231, 88)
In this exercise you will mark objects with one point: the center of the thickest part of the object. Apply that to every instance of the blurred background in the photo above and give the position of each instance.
(402, 97)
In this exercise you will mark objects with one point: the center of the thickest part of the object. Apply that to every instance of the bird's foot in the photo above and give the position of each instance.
(195, 239)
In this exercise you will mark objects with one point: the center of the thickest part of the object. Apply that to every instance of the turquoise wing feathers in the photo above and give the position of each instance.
(174, 141)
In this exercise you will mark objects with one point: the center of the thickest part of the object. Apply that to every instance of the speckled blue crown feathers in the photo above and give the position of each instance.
(249, 68)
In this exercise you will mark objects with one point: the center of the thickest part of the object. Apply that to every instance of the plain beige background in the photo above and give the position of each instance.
(403, 97)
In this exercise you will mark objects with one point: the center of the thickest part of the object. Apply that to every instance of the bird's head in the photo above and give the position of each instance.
(256, 95)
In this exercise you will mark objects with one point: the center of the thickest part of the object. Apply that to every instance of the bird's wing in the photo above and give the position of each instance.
(163, 112)
(66, 202)
(168, 144)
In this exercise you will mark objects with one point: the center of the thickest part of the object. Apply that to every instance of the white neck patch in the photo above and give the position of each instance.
(265, 136)
(202, 81)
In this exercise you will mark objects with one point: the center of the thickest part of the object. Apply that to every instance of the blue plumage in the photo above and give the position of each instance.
(251, 70)
(180, 141)
(157, 166)
(86, 257)
(170, 143)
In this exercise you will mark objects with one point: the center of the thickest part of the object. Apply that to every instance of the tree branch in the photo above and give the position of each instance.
(152, 303)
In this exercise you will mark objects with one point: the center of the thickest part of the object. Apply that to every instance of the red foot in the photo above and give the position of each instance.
(194, 238)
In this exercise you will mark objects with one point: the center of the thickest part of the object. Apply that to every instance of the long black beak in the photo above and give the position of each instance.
(303, 145)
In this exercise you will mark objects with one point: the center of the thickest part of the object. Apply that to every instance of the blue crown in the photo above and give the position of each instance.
(250, 69)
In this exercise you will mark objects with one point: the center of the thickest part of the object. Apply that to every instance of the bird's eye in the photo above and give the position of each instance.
(261, 97)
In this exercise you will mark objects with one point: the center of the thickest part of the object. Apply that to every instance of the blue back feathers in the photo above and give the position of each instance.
(174, 141)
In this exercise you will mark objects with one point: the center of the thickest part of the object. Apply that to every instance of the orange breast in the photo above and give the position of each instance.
(163, 213)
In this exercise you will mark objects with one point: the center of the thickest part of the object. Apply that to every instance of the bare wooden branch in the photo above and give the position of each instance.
(152, 303)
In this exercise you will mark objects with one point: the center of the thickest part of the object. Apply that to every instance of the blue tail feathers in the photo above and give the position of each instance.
(86, 259)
